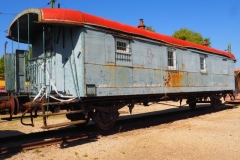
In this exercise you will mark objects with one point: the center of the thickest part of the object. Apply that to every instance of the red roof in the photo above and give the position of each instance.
(73, 17)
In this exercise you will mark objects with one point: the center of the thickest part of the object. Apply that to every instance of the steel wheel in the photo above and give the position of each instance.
(105, 120)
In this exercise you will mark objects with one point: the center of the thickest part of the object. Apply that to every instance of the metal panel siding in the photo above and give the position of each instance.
(90, 60)
(205, 80)
(65, 66)
(58, 72)
(148, 74)
(69, 69)
(191, 61)
(59, 65)
(109, 49)
(192, 80)
(145, 54)
(36, 76)
(147, 78)
(137, 54)
(9, 72)
(95, 47)
(102, 76)
(80, 49)
(123, 77)
(216, 65)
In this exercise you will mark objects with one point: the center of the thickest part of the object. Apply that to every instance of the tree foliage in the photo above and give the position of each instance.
(29, 55)
(191, 36)
(2, 66)
(150, 28)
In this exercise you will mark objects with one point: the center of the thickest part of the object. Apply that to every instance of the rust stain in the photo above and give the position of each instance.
(174, 79)
(183, 66)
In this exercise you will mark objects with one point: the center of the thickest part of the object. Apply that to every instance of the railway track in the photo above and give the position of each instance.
(73, 135)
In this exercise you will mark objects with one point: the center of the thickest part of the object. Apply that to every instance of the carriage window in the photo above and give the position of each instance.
(203, 63)
(122, 46)
(171, 58)
(122, 50)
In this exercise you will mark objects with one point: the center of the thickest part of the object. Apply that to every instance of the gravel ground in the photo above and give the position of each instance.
(209, 136)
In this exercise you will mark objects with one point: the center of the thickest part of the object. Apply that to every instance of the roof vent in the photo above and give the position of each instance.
(141, 24)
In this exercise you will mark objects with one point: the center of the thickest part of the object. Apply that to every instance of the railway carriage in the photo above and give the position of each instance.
(90, 67)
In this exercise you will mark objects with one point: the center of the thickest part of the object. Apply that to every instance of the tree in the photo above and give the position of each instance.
(191, 36)
(28, 55)
(2, 66)
(150, 28)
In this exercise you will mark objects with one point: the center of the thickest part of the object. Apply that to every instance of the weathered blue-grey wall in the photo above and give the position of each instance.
(147, 72)
(64, 65)
(88, 58)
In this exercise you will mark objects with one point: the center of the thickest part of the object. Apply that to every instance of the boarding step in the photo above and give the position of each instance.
(60, 113)
(63, 124)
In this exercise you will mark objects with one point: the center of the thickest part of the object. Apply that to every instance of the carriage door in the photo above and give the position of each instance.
(15, 74)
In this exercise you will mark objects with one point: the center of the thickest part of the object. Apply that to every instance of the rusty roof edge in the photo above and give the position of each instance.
(61, 22)
(117, 26)
(197, 47)
(61, 19)
(214, 51)
(27, 11)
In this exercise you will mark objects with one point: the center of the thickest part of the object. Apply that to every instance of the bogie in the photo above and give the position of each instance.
(105, 120)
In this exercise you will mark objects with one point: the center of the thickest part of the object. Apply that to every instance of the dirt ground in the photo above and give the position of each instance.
(209, 136)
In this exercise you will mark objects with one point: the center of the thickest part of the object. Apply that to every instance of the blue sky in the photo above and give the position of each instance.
(219, 20)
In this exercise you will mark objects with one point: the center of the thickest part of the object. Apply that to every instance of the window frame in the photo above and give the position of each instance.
(203, 66)
(127, 51)
(171, 60)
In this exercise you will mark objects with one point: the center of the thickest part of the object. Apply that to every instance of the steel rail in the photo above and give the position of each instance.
(43, 143)
(124, 124)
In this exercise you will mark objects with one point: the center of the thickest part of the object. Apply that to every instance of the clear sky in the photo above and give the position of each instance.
(217, 19)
